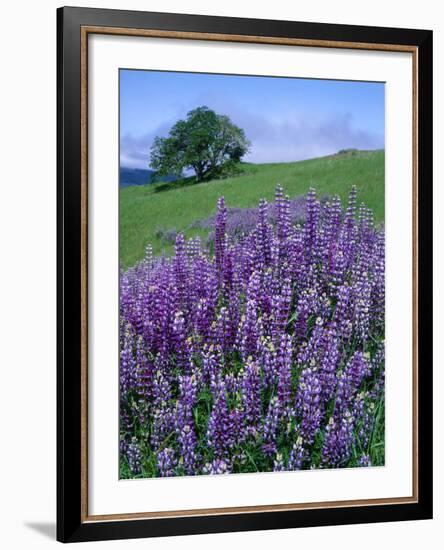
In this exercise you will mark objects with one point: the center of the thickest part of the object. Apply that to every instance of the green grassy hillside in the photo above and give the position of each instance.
(146, 209)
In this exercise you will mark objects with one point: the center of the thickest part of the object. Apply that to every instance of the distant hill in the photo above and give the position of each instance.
(134, 176)
(147, 212)
(139, 176)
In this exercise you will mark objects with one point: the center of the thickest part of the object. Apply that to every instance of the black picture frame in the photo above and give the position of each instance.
(71, 525)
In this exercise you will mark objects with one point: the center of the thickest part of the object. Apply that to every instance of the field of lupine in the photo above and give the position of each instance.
(261, 352)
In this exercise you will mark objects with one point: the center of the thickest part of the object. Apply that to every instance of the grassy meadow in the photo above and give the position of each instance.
(147, 210)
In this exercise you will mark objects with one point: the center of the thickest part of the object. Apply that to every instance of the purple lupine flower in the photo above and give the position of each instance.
(378, 366)
(297, 455)
(210, 363)
(347, 240)
(161, 390)
(162, 426)
(308, 404)
(248, 334)
(128, 372)
(194, 248)
(126, 426)
(333, 214)
(123, 446)
(236, 423)
(133, 455)
(338, 441)
(364, 461)
(188, 453)
(328, 362)
(298, 265)
(202, 319)
(362, 289)
(232, 383)
(263, 236)
(342, 315)
(378, 290)
(145, 371)
(219, 429)
(281, 309)
(349, 381)
(311, 224)
(234, 311)
(271, 425)
(306, 307)
(267, 359)
(216, 467)
(183, 352)
(220, 236)
(338, 269)
(363, 413)
(186, 434)
(283, 367)
(166, 462)
(358, 368)
(224, 333)
(162, 413)
(228, 270)
(251, 393)
(310, 351)
(186, 400)
(283, 223)
(278, 463)
(180, 264)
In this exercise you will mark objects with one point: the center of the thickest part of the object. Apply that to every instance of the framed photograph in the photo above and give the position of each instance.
(244, 274)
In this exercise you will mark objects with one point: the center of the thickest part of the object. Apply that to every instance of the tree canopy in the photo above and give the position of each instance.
(206, 142)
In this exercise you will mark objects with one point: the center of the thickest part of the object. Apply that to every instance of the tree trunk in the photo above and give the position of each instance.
(199, 172)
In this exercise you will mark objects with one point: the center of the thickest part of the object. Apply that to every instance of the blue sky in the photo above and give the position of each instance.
(286, 119)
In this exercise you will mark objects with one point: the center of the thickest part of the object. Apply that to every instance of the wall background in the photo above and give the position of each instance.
(27, 247)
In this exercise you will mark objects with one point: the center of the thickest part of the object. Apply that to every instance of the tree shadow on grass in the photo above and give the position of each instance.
(159, 187)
